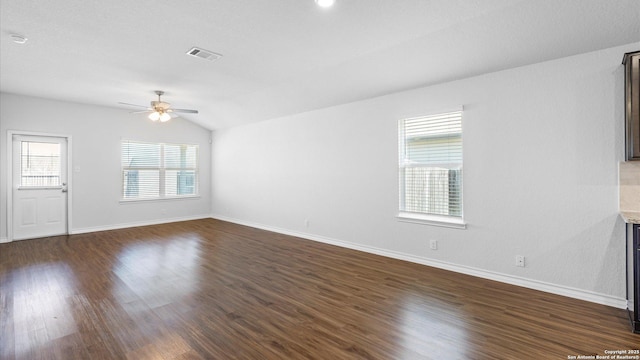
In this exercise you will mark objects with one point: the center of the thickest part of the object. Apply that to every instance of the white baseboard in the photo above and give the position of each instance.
(136, 224)
(3, 240)
(562, 290)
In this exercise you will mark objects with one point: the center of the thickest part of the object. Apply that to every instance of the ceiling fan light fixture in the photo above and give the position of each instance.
(164, 117)
(325, 3)
(159, 110)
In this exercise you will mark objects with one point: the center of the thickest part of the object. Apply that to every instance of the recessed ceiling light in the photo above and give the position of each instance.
(325, 3)
(18, 39)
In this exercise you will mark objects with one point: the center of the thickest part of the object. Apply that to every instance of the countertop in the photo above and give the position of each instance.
(631, 217)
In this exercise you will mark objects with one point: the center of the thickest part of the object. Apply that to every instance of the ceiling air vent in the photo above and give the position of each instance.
(203, 54)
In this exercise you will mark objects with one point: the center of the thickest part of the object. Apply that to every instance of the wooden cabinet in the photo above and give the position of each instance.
(633, 275)
(631, 62)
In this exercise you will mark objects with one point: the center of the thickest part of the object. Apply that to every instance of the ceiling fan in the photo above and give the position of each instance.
(160, 110)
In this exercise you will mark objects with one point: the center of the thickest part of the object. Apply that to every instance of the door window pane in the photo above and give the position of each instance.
(39, 164)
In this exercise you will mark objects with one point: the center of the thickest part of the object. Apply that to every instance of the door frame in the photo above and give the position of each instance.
(10, 134)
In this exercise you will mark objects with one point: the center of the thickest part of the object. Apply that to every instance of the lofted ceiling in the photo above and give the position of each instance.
(286, 56)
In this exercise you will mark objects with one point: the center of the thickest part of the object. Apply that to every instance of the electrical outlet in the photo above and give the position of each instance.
(519, 260)
(433, 244)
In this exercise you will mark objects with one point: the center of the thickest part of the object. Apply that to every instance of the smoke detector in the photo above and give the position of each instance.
(203, 54)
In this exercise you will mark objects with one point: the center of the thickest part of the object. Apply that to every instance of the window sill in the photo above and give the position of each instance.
(131, 201)
(434, 220)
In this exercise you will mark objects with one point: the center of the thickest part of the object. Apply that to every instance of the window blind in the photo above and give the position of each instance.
(158, 170)
(430, 164)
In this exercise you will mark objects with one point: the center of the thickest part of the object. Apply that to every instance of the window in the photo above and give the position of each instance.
(430, 168)
(39, 164)
(156, 170)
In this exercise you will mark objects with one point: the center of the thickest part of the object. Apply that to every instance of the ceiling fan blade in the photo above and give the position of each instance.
(187, 111)
(143, 106)
(141, 111)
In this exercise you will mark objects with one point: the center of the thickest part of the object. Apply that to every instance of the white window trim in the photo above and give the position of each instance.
(167, 198)
(434, 220)
(453, 222)
(162, 171)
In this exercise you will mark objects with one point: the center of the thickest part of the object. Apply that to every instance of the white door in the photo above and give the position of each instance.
(39, 186)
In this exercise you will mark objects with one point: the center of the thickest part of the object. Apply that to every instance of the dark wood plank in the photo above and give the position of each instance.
(210, 289)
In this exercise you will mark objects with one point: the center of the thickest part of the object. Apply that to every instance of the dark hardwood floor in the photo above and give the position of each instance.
(208, 289)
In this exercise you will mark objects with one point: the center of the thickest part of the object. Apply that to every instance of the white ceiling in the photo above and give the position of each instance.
(286, 56)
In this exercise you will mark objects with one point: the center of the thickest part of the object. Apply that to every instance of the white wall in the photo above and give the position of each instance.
(96, 133)
(541, 148)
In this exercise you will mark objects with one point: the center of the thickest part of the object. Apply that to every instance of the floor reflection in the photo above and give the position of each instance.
(42, 311)
(428, 327)
(158, 273)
